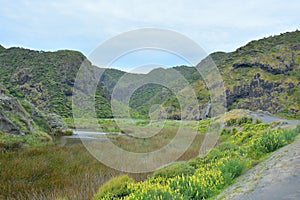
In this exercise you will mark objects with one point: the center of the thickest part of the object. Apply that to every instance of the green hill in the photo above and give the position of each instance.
(46, 79)
(262, 75)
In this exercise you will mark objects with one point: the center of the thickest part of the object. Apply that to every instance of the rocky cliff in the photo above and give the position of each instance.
(22, 118)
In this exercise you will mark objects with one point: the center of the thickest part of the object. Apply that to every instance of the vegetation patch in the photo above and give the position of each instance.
(205, 176)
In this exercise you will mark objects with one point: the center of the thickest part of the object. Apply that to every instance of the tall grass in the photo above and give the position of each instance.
(53, 172)
(70, 172)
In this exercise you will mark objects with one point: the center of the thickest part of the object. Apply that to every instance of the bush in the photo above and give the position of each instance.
(175, 169)
(244, 120)
(290, 135)
(270, 141)
(234, 130)
(258, 121)
(227, 146)
(115, 188)
(213, 155)
(231, 122)
(239, 121)
(203, 184)
(231, 169)
(273, 140)
(225, 131)
(204, 125)
(154, 189)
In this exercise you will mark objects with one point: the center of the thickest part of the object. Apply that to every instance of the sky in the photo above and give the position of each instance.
(215, 25)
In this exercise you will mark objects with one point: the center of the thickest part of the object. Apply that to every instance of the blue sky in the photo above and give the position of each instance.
(83, 25)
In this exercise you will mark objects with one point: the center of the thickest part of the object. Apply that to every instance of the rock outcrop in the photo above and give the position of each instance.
(283, 69)
(56, 123)
(7, 126)
(13, 117)
(259, 94)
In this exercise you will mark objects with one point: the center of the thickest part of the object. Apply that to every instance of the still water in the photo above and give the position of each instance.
(79, 135)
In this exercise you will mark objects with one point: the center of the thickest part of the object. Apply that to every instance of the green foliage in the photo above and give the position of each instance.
(239, 121)
(175, 169)
(109, 125)
(273, 140)
(15, 142)
(46, 79)
(214, 170)
(204, 125)
(231, 169)
(225, 131)
(115, 188)
(10, 142)
(213, 155)
(203, 184)
(227, 146)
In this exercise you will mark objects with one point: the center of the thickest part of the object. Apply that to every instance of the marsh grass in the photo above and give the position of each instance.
(52, 173)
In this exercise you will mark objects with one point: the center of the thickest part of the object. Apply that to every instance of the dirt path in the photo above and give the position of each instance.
(278, 177)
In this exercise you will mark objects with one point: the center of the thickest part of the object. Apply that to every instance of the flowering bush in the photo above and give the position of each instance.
(203, 177)
(114, 188)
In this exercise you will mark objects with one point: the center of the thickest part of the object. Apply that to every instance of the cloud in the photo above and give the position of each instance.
(83, 25)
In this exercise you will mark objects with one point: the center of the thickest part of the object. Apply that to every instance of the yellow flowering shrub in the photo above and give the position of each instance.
(208, 174)
(153, 189)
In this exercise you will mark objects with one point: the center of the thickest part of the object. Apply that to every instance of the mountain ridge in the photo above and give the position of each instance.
(261, 75)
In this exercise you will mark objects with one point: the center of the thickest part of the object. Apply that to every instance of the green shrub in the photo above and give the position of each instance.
(10, 141)
(234, 130)
(13, 145)
(231, 122)
(68, 132)
(270, 141)
(231, 169)
(115, 188)
(225, 131)
(258, 121)
(244, 120)
(204, 125)
(273, 140)
(175, 169)
(213, 155)
(202, 185)
(247, 137)
(239, 121)
(290, 135)
(153, 189)
(227, 146)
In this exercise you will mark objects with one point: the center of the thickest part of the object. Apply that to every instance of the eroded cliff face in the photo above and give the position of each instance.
(24, 118)
(13, 118)
(260, 94)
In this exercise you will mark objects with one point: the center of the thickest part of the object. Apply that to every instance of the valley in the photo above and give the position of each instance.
(45, 152)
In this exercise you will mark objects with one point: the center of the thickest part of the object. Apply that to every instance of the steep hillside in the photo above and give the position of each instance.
(265, 75)
(21, 123)
(262, 75)
(46, 79)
